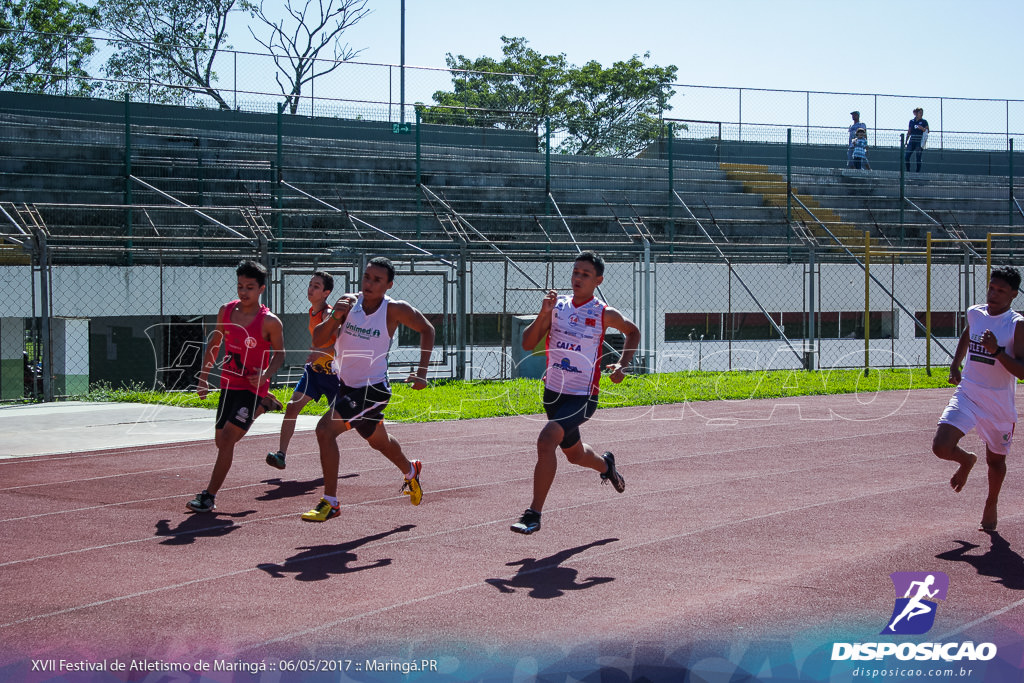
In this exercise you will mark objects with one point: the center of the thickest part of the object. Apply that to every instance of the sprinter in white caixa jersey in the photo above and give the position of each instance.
(575, 325)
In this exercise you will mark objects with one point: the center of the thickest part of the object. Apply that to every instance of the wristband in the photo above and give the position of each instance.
(999, 350)
(334, 316)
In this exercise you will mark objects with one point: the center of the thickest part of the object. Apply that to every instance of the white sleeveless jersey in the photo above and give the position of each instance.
(361, 351)
(984, 379)
(574, 347)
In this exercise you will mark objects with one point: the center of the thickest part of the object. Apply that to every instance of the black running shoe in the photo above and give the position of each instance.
(276, 459)
(612, 475)
(203, 502)
(528, 523)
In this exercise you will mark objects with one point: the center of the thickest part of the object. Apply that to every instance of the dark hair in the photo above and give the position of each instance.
(1009, 275)
(254, 270)
(591, 257)
(326, 278)
(385, 264)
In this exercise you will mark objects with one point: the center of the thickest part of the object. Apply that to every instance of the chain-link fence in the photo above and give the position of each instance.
(67, 327)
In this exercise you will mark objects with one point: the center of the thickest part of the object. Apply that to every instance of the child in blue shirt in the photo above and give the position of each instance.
(860, 150)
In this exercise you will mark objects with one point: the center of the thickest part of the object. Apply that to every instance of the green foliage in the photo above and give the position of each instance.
(165, 48)
(517, 92)
(43, 48)
(593, 110)
(454, 400)
(615, 111)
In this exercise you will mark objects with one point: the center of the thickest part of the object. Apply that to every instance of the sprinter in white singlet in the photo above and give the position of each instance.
(992, 346)
(575, 326)
(365, 324)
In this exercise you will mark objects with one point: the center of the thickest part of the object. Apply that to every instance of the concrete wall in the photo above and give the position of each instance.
(933, 160)
(248, 123)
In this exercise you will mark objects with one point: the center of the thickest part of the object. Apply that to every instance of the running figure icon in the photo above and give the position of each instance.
(916, 605)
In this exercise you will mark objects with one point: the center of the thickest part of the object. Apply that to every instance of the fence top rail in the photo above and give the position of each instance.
(845, 94)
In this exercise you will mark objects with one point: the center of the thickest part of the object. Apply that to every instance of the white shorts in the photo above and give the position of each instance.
(964, 414)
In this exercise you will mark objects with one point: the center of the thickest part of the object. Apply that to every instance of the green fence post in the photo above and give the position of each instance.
(789, 176)
(547, 176)
(1011, 206)
(278, 186)
(128, 217)
(460, 315)
(419, 194)
(903, 188)
(547, 156)
(671, 187)
(789, 194)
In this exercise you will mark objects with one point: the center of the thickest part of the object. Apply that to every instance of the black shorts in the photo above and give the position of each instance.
(316, 383)
(362, 407)
(238, 407)
(569, 411)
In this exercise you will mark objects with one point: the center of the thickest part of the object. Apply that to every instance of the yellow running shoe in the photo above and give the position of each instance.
(411, 487)
(322, 512)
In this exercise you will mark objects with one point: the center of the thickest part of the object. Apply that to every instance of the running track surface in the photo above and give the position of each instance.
(751, 536)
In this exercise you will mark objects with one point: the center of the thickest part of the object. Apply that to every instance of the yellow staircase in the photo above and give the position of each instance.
(771, 186)
(13, 255)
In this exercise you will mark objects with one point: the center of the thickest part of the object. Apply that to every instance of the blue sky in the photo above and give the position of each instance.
(935, 48)
(922, 50)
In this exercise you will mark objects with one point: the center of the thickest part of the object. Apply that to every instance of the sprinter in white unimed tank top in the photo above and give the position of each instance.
(365, 324)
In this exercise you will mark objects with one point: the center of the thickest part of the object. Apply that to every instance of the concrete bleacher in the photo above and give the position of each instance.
(501, 192)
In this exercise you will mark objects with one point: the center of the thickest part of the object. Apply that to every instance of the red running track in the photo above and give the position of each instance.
(751, 536)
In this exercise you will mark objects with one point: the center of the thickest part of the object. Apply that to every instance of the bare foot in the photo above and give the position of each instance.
(960, 477)
(988, 517)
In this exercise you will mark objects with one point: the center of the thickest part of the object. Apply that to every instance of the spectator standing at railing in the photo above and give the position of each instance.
(857, 125)
(917, 134)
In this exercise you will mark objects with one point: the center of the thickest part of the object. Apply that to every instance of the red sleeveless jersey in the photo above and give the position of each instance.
(246, 352)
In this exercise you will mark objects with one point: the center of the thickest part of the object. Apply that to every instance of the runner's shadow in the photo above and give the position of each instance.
(319, 562)
(195, 526)
(294, 489)
(999, 561)
(545, 578)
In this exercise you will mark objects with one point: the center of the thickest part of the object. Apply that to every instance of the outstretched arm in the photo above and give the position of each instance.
(958, 357)
(612, 318)
(210, 357)
(411, 317)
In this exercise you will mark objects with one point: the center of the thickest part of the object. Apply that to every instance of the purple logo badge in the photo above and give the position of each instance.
(916, 596)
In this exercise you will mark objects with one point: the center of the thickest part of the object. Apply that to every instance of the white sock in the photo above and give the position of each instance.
(412, 472)
(332, 500)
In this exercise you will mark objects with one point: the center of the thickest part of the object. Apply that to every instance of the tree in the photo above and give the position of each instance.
(166, 48)
(592, 110)
(43, 48)
(296, 47)
(616, 111)
(517, 92)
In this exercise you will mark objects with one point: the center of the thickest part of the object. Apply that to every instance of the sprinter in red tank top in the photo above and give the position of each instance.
(253, 351)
